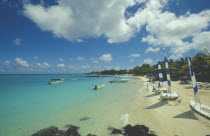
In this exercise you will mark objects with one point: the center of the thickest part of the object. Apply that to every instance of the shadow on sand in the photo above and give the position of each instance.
(157, 105)
(152, 95)
(187, 115)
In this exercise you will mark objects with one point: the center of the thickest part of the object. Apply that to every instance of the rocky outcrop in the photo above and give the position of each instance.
(137, 130)
(128, 130)
(91, 135)
(72, 131)
(51, 131)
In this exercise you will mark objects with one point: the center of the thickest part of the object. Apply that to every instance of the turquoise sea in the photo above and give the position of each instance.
(28, 103)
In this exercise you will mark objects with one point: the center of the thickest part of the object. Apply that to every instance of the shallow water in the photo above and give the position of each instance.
(28, 103)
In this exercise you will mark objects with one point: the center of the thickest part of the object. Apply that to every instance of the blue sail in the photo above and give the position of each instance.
(160, 73)
(195, 88)
(168, 74)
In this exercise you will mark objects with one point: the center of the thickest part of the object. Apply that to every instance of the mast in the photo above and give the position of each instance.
(167, 72)
(194, 84)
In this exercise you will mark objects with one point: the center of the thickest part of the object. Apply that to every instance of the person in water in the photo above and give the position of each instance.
(95, 87)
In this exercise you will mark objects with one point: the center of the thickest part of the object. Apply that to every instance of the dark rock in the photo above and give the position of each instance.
(151, 134)
(110, 128)
(138, 130)
(69, 125)
(60, 133)
(51, 131)
(91, 135)
(116, 131)
(72, 131)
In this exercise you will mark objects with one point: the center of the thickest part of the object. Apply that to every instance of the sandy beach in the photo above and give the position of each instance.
(171, 118)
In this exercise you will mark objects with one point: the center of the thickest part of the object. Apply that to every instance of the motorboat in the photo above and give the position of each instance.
(55, 81)
(119, 80)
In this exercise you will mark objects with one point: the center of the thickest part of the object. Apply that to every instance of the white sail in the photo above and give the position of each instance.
(160, 73)
(195, 88)
(168, 74)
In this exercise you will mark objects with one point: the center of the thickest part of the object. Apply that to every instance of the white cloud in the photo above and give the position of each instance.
(167, 30)
(148, 61)
(85, 66)
(94, 60)
(43, 65)
(61, 59)
(79, 58)
(79, 20)
(35, 57)
(135, 55)
(21, 62)
(7, 62)
(61, 65)
(106, 57)
(2, 70)
(17, 41)
(154, 50)
(76, 20)
(132, 60)
(72, 67)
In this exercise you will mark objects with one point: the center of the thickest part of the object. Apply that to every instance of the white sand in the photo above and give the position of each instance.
(173, 118)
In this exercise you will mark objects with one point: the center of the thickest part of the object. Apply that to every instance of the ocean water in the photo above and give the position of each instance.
(28, 103)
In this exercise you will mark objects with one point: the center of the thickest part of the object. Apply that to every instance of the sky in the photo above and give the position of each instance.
(78, 36)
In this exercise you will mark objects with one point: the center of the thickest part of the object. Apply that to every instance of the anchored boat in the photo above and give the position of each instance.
(55, 81)
(119, 80)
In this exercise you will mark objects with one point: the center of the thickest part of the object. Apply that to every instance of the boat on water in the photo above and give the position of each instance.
(55, 81)
(169, 95)
(196, 105)
(119, 80)
(96, 87)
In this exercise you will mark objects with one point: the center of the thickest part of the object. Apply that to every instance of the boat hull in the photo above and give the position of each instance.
(119, 80)
(170, 96)
(201, 109)
(160, 90)
(55, 82)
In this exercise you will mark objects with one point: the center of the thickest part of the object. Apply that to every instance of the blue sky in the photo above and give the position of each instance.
(73, 36)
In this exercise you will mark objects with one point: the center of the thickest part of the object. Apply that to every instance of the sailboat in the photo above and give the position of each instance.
(196, 105)
(169, 95)
(160, 87)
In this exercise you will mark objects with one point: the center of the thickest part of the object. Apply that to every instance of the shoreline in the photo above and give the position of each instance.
(107, 107)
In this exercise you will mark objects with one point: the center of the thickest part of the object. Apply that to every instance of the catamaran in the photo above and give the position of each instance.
(196, 105)
(160, 87)
(169, 95)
